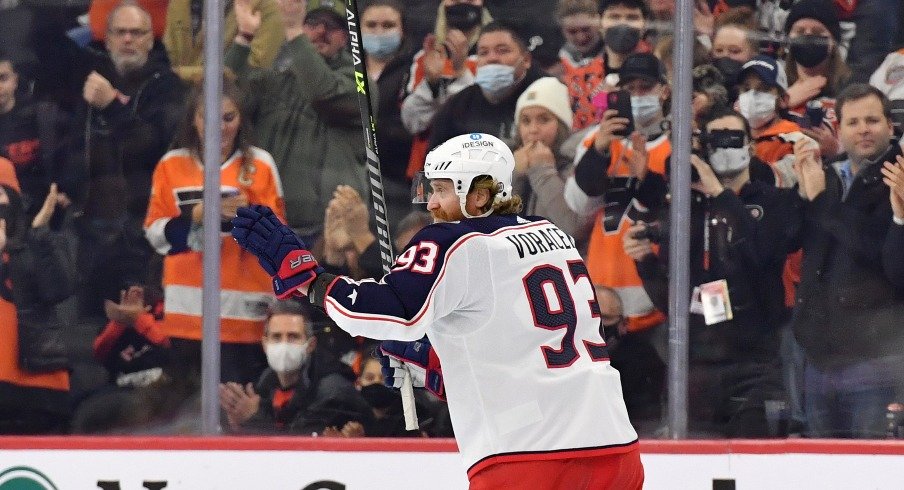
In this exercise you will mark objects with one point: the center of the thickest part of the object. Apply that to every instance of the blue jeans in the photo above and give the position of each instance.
(851, 401)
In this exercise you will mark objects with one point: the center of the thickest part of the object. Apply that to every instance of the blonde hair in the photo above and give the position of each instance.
(511, 205)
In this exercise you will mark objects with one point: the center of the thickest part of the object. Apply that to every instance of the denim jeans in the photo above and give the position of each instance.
(850, 401)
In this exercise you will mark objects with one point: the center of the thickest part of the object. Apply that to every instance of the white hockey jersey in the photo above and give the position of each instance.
(509, 309)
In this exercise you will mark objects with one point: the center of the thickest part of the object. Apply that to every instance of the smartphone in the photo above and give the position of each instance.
(621, 101)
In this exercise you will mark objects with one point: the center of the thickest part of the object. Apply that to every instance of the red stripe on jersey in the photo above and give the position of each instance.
(363, 316)
(550, 455)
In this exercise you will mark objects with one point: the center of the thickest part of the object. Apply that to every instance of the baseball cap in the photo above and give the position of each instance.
(641, 65)
(767, 70)
(327, 16)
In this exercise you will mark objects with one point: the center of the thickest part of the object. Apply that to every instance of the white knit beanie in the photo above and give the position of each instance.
(549, 93)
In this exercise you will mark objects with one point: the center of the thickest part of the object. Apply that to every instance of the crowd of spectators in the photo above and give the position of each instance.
(796, 228)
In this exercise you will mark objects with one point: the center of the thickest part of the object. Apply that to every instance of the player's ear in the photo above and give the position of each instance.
(481, 197)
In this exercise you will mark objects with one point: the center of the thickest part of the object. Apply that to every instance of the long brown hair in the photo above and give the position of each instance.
(511, 205)
(188, 136)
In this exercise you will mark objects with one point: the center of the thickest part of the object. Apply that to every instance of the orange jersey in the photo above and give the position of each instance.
(607, 262)
(10, 372)
(583, 81)
(769, 148)
(246, 289)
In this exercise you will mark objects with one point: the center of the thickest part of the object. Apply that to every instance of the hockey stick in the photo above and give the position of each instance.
(375, 178)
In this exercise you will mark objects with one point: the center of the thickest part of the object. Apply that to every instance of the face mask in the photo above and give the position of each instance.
(810, 50)
(729, 68)
(728, 162)
(379, 395)
(644, 109)
(284, 357)
(462, 16)
(495, 78)
(757, 107)
(622, 38)
(382, 46)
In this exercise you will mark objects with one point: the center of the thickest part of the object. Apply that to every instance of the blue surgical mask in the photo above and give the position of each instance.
(645, 109)
(495, 78)
(382, 46)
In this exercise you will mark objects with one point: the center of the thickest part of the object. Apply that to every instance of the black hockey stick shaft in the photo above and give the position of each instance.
(374, 176)
(368, 121)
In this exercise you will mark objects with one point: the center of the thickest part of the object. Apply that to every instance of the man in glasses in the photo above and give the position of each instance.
(131, 103)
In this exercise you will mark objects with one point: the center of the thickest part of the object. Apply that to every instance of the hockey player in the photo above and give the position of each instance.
(508, 306)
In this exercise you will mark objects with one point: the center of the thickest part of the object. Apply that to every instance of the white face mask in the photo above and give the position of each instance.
(757, 107)
(645, 109)
(495, 78)
(284, 357)
(728, 162)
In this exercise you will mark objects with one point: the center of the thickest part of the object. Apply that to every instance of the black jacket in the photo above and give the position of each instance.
(324, 396)
(470, 112)
(850, 302)
(393, 140)
(750, 235)
(124, 141)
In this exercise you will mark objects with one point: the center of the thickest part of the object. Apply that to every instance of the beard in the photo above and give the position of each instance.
(440, 216)
(128, 63)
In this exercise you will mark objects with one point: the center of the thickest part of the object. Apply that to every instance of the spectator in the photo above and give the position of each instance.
(31, 134)
(606, 171)
(816, 69)
(624, 26)
(850, 300)
(763, 101)
(737, 39)
(135, 351)
(504, 70)
(887, 79)
(184, 35)
(132, 346)
(303, 389)
(878, 23)
(132, 104)
(173, 228)
(736, 36)
(389, 57)
(447, 64)
(544, 116)
(349, 246)
(741, 232)
(36, 275)
(305, 110)
(582, 57)
(640, 367)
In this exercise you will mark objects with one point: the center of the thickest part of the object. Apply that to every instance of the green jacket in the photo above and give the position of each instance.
(305, 113)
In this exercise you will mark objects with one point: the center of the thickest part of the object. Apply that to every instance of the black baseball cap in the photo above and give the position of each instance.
(641, 65)
(766, 69)
(328, 16)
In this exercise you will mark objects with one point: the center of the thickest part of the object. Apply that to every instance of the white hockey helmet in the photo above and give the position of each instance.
(468, 156)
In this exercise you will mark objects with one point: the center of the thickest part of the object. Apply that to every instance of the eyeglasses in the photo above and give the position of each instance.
(121, 32)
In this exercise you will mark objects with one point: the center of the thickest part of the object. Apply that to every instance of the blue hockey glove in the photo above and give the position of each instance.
(419, 359)
(279, 250)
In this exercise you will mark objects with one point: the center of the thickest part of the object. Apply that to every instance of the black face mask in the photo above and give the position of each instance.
(729, 68)
(379, 395)
(462, 16)
(622, 38)
(810, 50)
